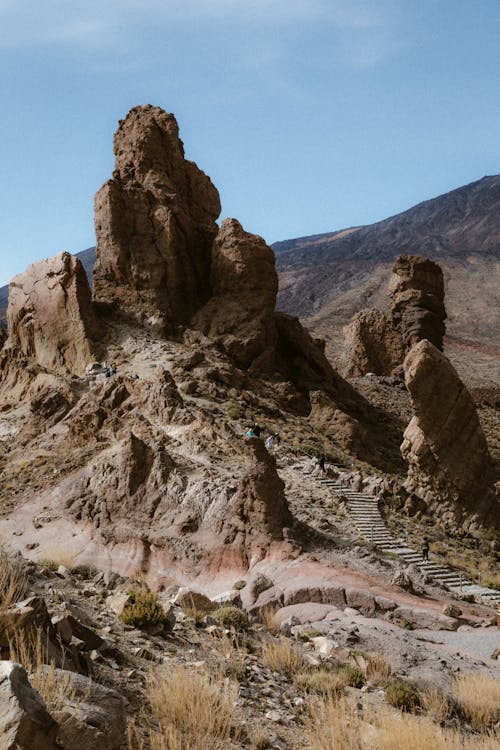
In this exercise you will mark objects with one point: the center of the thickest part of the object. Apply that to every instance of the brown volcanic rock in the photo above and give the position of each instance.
(372, 344)
(417, 300)
(155, 224)
(449, 466)
(50, 315)
(239, 316)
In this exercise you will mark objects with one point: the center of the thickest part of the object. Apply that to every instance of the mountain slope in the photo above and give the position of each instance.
(325, 279)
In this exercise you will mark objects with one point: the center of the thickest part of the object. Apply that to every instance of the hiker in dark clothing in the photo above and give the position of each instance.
(321, 463)
(256, 430)
(425, 549)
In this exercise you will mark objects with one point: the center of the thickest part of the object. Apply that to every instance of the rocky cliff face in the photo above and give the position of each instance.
(155, 224)
(50, 316)
(449, 466)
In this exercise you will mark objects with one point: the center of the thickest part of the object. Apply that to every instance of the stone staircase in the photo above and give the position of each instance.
(366, 517)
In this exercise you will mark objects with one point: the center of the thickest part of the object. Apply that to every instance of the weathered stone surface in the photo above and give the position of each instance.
(417, 300)
(372, 344)
(449, 466)
(50, 315)
(155, 224)
(25, 723)
(92, 715)
(259, 510)
(423, 618)
(240, 314)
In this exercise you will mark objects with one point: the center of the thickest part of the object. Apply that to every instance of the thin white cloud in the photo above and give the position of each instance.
(26, 22)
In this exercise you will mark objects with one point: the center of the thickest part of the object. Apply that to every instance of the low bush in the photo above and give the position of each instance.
(143, 610)
(231, 617)
(320, 681)
(352, 676)
(402, 695)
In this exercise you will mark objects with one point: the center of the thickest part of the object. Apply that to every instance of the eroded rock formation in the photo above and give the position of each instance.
(372, 344)
(376, 341)
(417, 300)
(449, 466)
(50, 316)
(155, 224)
(240, 314)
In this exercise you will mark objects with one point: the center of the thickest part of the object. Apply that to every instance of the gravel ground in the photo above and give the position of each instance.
(478, 643)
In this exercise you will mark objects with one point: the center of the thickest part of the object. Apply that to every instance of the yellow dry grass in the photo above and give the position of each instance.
(269, 619)
(435, 704)
(333, 725)
(283, 658)
(478, 695)
(194, 710)
(412, 733)
(53, 556)
(13, 582)
(30, 651)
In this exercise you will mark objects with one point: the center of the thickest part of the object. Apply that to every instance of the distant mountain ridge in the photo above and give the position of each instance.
(326, 279)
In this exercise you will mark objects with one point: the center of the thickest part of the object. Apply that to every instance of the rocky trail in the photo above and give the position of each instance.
(367, 519)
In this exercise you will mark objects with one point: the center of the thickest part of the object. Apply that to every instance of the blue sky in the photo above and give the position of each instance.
(309, 115)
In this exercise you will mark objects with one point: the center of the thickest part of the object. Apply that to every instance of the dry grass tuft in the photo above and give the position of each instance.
(283, 658)
(269, 620)
(320, 681)
(333, 725)
(435, 704)
(478, 696)
(13, 582)
(193, 710)
(53, 557)
(377, 668)
(30, 651)
(412, 733)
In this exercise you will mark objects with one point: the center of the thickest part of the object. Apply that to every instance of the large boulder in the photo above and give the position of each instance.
(244, 282)
(25, 723)
(372, 344)
(449, 466)
(155, 224)
(50, 315)
(417, 300)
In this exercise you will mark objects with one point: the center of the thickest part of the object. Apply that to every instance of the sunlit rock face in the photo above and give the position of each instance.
(50, 315)
(155, 224)
(449, 465)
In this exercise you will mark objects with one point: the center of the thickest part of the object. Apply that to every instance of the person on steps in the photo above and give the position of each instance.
(321, 463)
(425, 549)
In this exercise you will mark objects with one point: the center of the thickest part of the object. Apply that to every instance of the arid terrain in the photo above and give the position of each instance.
(211, 538)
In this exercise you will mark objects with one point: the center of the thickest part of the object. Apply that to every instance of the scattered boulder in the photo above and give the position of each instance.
(155, 224)
(50, 315)
(449, 466)
(91, 715)
(25, 723)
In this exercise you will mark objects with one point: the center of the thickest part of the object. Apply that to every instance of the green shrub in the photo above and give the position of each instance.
(352, 676)
(403, 696)
(143, 610)
(231, 617)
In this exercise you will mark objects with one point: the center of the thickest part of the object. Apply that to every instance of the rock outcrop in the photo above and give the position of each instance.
(378, 342)
(50, 316)
(240, 315)
(25, 723)
(449, 466)
(155, 224)
(417, 300)
(372, 344)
